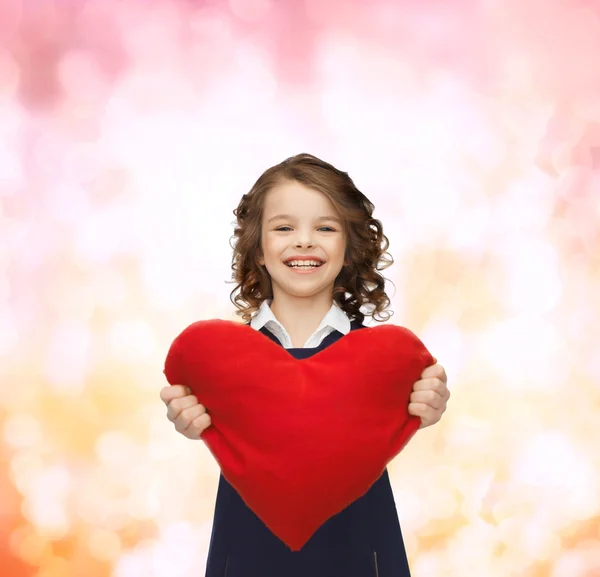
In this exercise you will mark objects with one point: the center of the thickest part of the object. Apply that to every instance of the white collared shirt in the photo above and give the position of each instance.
(335, 320)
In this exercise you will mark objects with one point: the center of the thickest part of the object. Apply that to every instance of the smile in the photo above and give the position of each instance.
(304, 266)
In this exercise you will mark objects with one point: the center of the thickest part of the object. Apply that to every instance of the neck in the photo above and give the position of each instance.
(300, 316)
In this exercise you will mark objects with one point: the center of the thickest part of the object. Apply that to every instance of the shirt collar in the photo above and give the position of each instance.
(335, 318)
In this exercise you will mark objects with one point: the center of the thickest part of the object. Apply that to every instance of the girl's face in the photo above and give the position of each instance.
(299, 222)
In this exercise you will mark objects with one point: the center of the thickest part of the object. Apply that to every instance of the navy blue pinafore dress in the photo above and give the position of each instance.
(363, 540)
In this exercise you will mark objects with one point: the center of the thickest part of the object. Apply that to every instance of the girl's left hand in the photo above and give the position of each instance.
(430, 396)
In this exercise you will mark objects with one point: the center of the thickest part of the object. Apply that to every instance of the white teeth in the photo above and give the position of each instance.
(304, 263)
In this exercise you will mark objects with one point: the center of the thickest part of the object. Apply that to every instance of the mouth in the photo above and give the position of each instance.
(304, 264)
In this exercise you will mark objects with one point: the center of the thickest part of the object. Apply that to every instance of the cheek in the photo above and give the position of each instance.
(340, 249)
(270, 248)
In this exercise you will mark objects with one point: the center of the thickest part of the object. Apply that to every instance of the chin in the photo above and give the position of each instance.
(309, 292)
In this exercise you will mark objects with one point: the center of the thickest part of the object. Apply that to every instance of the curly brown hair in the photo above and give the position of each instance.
(358, 285)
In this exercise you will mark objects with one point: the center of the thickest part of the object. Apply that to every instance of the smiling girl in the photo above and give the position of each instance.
(306, 265)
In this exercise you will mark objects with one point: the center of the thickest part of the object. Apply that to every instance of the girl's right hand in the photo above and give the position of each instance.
(183, 410)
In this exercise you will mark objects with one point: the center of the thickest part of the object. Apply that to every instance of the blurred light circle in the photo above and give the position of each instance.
(9, 71)
(54, 566)
(143, 504)
(104, 545)
(132, 340)
(22, 430)
(25, 468)
(34, 549)
(115, 448)
(250, 10)
(11, 14)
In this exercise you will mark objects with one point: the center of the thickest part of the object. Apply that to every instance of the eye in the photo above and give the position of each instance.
(287, 228)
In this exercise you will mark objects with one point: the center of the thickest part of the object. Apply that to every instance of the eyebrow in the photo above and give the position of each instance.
(290, 217)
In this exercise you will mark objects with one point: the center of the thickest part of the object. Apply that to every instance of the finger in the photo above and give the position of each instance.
(432, 384)
(176, 406)
(185, 418)
(170, 392)
(427, 415)
(424, 412)
(197, 426)
(431, 398)
(435, 372)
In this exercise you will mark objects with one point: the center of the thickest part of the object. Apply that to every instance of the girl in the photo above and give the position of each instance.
(306, 263)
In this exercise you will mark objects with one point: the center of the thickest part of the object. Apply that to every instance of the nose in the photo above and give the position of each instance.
(307, 244)
(304, 238)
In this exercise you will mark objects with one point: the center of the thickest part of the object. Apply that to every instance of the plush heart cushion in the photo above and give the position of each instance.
(300, 439)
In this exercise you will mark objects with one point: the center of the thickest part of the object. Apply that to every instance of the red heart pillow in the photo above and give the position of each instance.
(300, 439)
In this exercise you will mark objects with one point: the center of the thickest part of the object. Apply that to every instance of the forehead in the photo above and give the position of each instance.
(291, 197)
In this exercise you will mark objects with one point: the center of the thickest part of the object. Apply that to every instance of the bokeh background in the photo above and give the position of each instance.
(128, 132)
